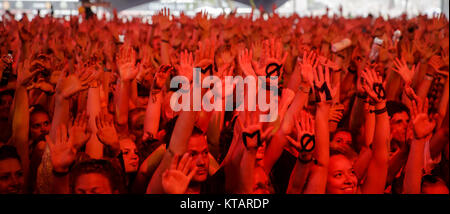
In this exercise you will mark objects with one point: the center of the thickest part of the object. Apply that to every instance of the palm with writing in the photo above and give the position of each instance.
(251, 128)
(322, 85)
(272, 53)
(373, 85)
(305, 132)
(176, 179)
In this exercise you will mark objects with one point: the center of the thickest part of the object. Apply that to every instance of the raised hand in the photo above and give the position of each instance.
(437, 64)
(204, 56)
(422, 124)
(62, 153)
(402, 69)
(163, 19)
(76, 82)
(79, 133)
(126, 60)
(24, 76)
(161, 76)
(373, 85)
(252, 133)
(322, 85)
(272, 59)
(245, 62)
(203, 22)
(307, 67)
(186, 66)
(305, 142)
(43, 86)
(336, 112)
(106, 132)
(176, 179)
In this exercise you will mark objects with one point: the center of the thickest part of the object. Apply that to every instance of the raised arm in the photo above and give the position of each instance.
(324, 95)
(422, 127)
(21, 116)
(126, 60)
(304, 145)
(378, 167)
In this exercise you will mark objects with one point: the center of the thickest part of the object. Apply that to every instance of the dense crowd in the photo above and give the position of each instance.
(86, 105)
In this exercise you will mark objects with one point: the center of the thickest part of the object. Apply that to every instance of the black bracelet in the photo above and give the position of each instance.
(306, 161)
(362, 96)
(60, 174)
(49, 93)
(162, 40)
(379, 111)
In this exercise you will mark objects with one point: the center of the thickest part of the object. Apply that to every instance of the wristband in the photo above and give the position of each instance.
(49, 93)
(428, 77)
(362, 96)
(306, 161)
(60, 174)
(379, 111)
(165, 41)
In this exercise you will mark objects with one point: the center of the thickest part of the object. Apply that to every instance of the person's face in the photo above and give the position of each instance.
(92, 183)
(399, 123)
(261, 182)
(11, 176)
(198, 148)
(40, 126)
(5, 103)
(137, 125)
(130, 157)
(341, 176)
(342, 139)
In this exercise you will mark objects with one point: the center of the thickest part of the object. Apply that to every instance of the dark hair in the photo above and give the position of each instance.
(169, 126)
(394, 107)
(38, 109)
(103, 167)
(7, 92)
(432, 179)
(8, 152)
(132, 113)
(348, 153)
